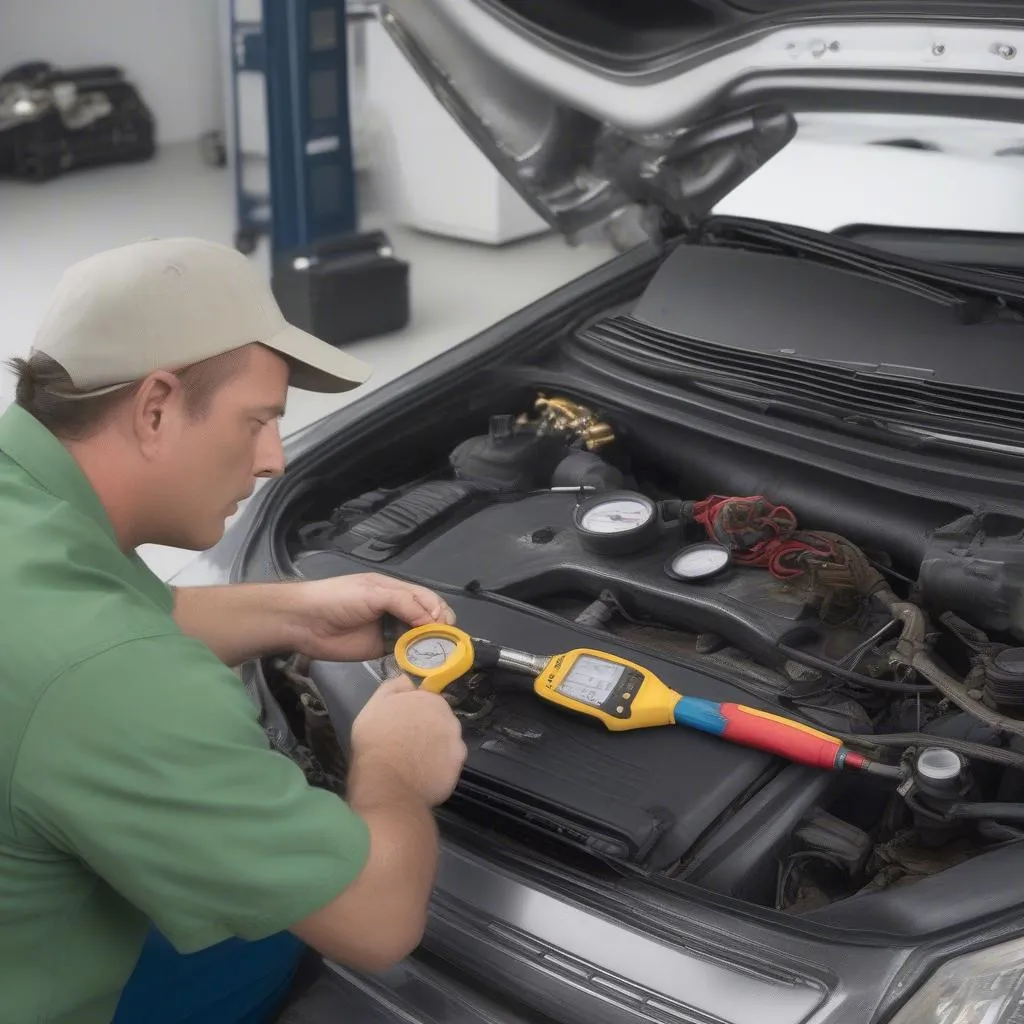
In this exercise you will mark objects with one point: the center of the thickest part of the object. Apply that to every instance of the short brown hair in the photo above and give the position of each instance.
(43, 388)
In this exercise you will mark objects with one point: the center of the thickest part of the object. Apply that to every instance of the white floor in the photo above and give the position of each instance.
(458, 288)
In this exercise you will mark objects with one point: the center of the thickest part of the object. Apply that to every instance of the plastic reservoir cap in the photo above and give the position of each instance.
(937, 764)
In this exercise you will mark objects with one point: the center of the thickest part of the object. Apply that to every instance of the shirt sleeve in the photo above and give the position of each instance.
(148, 763)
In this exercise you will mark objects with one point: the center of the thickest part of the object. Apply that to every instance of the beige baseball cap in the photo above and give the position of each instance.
(163, 304)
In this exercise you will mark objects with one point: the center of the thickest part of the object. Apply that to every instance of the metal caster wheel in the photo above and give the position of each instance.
(246, 242)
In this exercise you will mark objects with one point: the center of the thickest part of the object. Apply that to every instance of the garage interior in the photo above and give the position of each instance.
(695, 423)
(178, 57)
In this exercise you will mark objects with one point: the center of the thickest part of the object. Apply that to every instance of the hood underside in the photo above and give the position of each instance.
(591, 108)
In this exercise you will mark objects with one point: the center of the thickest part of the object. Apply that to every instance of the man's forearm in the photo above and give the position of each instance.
(406, 835)
(380, 918)
(240, 621)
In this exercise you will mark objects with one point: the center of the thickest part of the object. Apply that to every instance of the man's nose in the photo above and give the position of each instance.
(270, 453)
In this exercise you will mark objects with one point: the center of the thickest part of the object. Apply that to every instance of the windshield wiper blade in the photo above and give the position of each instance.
(873, 268)
(975, 295)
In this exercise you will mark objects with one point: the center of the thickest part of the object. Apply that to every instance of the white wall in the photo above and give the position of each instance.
(168, 48)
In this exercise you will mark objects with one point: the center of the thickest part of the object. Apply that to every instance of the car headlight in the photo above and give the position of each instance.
(986, 987)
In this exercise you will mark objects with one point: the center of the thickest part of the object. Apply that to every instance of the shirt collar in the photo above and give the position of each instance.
(25, 440)
(28, 443)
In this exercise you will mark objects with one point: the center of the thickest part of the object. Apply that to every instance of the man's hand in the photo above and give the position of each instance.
(339, 619)
(407, 752)
(411, 737)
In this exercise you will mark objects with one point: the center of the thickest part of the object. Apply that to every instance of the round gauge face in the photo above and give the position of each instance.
(699, 562)
(616, 515)
(430, 651)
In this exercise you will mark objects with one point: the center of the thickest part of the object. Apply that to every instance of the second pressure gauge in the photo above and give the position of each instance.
(616, 523)
(698, 562)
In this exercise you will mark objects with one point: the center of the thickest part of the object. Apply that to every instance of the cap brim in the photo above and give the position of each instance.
(317, 366)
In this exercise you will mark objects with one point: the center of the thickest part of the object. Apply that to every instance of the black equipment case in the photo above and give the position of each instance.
(54, 120)
(345, 288)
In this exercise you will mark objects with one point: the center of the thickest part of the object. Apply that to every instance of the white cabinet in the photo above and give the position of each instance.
(435, 178)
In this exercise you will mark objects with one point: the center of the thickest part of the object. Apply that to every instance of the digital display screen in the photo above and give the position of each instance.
(591, 680)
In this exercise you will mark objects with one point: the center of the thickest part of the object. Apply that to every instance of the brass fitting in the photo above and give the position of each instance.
(563, 416)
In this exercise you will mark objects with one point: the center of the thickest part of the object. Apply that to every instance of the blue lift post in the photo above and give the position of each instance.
(329, 279)
(312, 177)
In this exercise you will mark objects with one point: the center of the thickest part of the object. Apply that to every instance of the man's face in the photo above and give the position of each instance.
(211, 463)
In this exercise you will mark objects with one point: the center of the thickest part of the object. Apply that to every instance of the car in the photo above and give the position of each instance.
(774, 465)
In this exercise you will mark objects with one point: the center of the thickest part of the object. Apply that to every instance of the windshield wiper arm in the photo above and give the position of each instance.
(975, 296)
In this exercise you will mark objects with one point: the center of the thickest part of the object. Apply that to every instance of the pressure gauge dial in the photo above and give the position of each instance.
(430, 652)
(699, 562)
(616, 515)
(616, 523)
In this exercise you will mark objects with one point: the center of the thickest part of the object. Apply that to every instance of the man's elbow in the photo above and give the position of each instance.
(376, 961)
(376, 951)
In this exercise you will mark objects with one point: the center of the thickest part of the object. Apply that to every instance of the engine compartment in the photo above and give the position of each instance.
(790, 625)
(649, 479)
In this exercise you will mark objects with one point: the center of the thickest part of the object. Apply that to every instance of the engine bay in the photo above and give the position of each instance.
(546, 533)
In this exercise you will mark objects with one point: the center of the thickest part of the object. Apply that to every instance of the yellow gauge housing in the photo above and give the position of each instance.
(434, 666)
(632, 698)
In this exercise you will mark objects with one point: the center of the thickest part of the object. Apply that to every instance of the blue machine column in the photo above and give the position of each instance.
(312, 180)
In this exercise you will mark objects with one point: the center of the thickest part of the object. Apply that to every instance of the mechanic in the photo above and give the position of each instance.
(149, 835)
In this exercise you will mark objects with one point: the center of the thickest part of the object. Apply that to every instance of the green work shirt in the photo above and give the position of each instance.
(137, 784)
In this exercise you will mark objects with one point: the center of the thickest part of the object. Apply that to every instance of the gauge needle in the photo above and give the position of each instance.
(434, 655)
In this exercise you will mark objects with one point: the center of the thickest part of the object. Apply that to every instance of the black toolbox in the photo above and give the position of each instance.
(345, 288)
(54, 120)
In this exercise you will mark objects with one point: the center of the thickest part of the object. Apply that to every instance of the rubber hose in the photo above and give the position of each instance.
(980, 752)
(755, 673)
(953, 689)
(823, 665)
(996, 832)
(997, 812)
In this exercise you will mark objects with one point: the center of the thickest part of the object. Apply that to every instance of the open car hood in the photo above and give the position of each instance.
(594, 107)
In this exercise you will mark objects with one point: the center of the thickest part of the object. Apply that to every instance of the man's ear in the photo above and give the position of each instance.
(154, 407)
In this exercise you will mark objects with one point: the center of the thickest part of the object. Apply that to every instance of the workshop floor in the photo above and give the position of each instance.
(457, 288)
